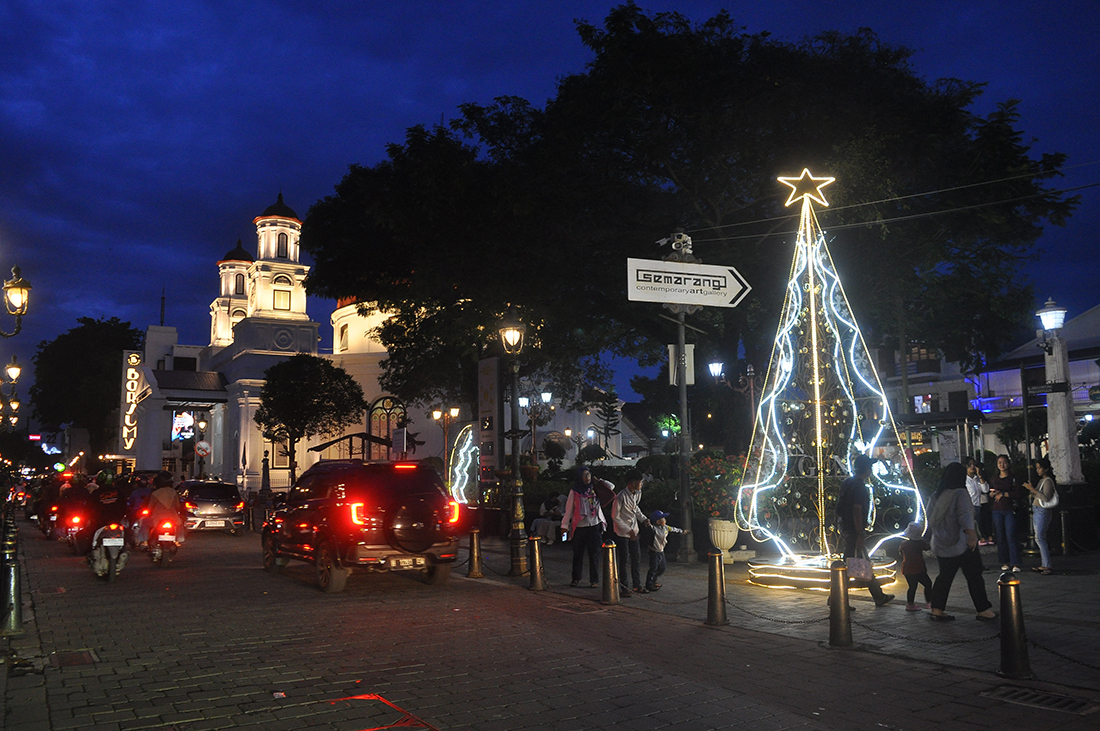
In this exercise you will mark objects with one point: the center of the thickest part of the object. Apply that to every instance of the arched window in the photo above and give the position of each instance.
(283, 280)
(343, 338)
(235, 317)
(238, 284)
(281, 251)
(385, 415)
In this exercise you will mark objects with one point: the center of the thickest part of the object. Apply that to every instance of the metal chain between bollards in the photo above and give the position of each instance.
(777, 621)
(918, 639)
(1082, 663)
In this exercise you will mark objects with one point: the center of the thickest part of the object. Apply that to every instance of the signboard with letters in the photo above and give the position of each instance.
(675, 282)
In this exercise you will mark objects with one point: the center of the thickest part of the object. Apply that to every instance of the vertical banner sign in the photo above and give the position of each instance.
(489, 413)
(131, 386)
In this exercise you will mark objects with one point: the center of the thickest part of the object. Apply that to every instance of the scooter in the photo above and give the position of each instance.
(76, 533)
(162, 542)
(109, 554)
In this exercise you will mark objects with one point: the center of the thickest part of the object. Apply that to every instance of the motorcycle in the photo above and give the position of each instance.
(75, 531)
(109, 554)
(47, 519)
(162, 542)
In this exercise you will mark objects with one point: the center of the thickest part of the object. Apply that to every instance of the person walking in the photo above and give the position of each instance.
(657, 562)
(1003, 490)
(585, 523)
(955, 544)
(851, 508)
(627, 518)
(913, 567)
(1043, 507)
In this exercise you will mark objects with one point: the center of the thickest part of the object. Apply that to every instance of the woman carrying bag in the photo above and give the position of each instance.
(955, 544)
(1044, 500)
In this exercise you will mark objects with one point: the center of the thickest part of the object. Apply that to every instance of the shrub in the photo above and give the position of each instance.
(714, 481)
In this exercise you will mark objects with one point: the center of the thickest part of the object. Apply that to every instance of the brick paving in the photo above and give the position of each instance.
(213, 642)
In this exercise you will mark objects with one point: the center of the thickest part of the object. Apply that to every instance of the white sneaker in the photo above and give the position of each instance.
(1004, 567)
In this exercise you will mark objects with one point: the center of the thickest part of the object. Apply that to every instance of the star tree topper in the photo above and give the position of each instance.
(806, 186)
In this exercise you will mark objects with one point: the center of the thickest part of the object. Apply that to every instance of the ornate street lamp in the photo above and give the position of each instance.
(511, 336)
(16, 295)
(445, 418)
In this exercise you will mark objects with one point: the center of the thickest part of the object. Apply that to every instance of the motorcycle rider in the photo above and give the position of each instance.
(110, 508)
(163, 504)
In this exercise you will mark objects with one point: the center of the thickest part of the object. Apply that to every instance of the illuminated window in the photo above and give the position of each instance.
(343, 338)
(281, 251)
(282, 300)
(385, 416)
(278, 454)
(236, 317)
(283, 280)
(238, 284)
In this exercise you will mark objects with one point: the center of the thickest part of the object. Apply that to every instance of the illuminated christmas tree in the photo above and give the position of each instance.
(821, 405)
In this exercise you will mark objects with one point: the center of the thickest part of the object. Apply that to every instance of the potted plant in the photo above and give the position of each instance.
(714, 480)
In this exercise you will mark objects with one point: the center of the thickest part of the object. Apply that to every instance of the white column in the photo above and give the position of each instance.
(1065, 452)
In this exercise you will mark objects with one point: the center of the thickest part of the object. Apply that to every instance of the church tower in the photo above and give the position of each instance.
(231, 305)
(276, 279)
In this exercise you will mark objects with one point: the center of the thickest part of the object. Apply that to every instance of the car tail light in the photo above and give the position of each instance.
(75, 520)
(357, 513)
(240, 506)
(167, 525)
(145, 512)
(53, 508)
(405, 466)
(453, 509)
(189, 505)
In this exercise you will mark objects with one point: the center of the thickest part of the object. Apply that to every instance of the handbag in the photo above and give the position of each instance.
(1052, 503)
(859, 569)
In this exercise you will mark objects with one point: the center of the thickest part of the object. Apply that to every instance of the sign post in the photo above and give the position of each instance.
(683, 285)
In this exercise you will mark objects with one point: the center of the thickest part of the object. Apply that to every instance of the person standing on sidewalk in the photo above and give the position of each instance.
(1044, 492)
(627, 517)
(955, 543)
(1003, 490)
(913, 567)
(979, 493)
(851, 508)
(657, 562)
(585, 523)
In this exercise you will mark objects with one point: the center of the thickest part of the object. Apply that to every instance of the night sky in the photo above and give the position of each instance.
(138, 140)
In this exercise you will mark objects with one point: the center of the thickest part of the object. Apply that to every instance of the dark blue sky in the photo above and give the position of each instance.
(138, 140)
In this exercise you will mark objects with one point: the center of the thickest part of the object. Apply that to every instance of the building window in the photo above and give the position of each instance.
(281, 251)
(279, 455)
(386, 414)
(282, 300)
(343, 338)
(238, 284)
(236, 317)
(184, 364)
(284, 280)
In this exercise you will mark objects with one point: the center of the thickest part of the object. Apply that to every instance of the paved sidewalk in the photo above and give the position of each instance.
(214, 642)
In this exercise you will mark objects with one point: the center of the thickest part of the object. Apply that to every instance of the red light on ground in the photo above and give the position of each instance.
(454, 512)
(357, 516)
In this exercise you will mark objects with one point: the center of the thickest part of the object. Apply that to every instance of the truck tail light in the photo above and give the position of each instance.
(453, 510)
(357, 513)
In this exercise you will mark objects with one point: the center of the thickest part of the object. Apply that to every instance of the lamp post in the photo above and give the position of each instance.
(748, 382)
(1064, 452)
(9, 406)
(16, 294)
(535, 412)
(511, 336)
(445, 418)
(201, 424)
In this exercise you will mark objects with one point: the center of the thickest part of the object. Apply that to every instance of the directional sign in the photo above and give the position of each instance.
(675, 282)
(203, 448)
(1061, 387)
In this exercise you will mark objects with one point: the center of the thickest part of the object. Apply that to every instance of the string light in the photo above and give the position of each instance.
(822, 405)
(463, 456)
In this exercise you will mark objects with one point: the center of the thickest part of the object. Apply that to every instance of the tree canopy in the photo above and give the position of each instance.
(78, 377)
(675, 126)
(304, 396)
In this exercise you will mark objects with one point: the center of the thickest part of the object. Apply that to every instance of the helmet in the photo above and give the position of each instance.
(105, 477)
(163, 479)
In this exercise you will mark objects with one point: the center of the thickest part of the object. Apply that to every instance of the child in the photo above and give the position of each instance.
(657, 563)
(913, 567)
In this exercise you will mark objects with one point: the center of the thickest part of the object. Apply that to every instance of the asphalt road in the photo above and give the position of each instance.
(215, 642)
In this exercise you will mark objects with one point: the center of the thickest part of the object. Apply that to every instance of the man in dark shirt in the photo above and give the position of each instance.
(851, 506)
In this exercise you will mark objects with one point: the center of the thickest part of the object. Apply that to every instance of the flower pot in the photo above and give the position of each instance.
(723, 536)
(529, 473)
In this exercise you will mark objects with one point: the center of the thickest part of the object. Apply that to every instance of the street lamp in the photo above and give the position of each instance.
(445, 418)
(536, 412)
(748, 382)
(1063, 449)
(511, 337)
(201, 424)
(9, 404)
(16, 295)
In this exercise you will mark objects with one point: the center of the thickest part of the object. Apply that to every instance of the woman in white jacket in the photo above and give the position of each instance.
(585, 523)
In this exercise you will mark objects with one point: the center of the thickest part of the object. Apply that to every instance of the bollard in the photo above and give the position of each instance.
(534, 552)
(1066, 541)
(474, 572)
(840, 617)
(610, 574)
(716, 590)
(1014, 660)
(13, 601)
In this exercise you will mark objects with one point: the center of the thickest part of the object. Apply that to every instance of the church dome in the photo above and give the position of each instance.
(280, 209)
(237, 254)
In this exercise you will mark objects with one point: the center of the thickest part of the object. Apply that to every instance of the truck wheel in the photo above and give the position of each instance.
(330, 577)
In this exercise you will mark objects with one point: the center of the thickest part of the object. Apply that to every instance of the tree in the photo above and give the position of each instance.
(78, 378)
(1011, 430)
(306, 396)
(674, 126)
